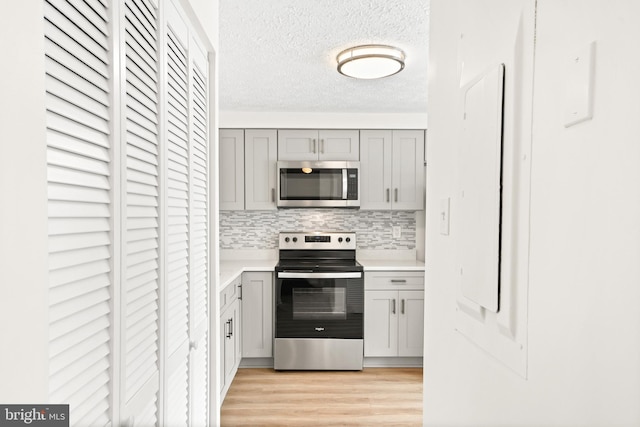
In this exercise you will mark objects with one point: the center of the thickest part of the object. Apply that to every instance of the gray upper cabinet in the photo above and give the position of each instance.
(260, 149)
(231, 169)
(392, 169)
(325, 144)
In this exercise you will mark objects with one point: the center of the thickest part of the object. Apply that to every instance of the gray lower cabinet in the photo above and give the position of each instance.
(257, 314)
(246, 323)
(230, 334)
(394, 314)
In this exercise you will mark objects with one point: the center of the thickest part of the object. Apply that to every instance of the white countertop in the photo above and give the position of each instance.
(374, 264)
(233, 264)
(230, 269)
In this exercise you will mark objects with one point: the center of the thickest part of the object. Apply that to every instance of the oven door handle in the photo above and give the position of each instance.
(333, 275)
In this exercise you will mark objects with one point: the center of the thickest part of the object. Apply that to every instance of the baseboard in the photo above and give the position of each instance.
(369, 362)
(393, 362)
(256, 362)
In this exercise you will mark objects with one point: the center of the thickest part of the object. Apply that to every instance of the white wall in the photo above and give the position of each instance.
(205, 14)
(583, 362)
(24, 283)
(282, 120)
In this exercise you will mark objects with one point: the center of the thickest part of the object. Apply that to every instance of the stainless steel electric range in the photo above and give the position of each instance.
(319, 302)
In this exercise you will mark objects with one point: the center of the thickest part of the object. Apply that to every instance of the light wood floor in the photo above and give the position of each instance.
(372, 397)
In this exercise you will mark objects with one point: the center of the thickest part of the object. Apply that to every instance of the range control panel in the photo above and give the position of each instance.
(317, 240)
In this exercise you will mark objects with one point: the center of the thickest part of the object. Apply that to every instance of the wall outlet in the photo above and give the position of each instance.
(396, 231)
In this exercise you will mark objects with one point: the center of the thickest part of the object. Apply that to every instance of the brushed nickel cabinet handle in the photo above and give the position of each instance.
(273, 195)
(395, 197)
(393, 306)
(387, 195)
(402, 306)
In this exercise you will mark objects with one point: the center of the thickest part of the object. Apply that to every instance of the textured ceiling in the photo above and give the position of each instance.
(279, 55)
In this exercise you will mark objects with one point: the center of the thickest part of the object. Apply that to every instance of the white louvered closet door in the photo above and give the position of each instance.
(79, 164)
(140, 286)
(199, 254)
(177, 207)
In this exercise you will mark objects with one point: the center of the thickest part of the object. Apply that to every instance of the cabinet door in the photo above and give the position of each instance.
(339, 145)
(230, 345)
(231, 169)
(408, 170)
(222, 340)
(411, 323)
(226, 357)
(297, 144)
(236, 331)
(381, 323)
(228, 300)
(261, 154)
(375, 169)
(257, 317)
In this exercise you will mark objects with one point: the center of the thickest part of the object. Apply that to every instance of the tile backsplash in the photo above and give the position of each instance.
(259, 229)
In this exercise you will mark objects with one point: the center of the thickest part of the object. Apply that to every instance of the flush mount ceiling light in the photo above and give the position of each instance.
(371, 61)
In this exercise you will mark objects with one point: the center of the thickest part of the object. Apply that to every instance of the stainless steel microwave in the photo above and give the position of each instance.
(330, 184)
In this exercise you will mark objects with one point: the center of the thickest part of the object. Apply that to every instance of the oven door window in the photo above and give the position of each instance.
(319, 303)
(319, 308)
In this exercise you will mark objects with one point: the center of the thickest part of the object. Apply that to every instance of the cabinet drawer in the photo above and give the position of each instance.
(230, 293)
(391, 280)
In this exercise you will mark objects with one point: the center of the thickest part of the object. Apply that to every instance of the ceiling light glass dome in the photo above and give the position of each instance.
(372, 61)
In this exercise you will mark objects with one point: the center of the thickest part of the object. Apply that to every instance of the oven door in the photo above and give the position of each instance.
(319, 305)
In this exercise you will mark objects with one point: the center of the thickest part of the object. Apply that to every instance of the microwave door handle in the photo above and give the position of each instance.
(345, 184)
